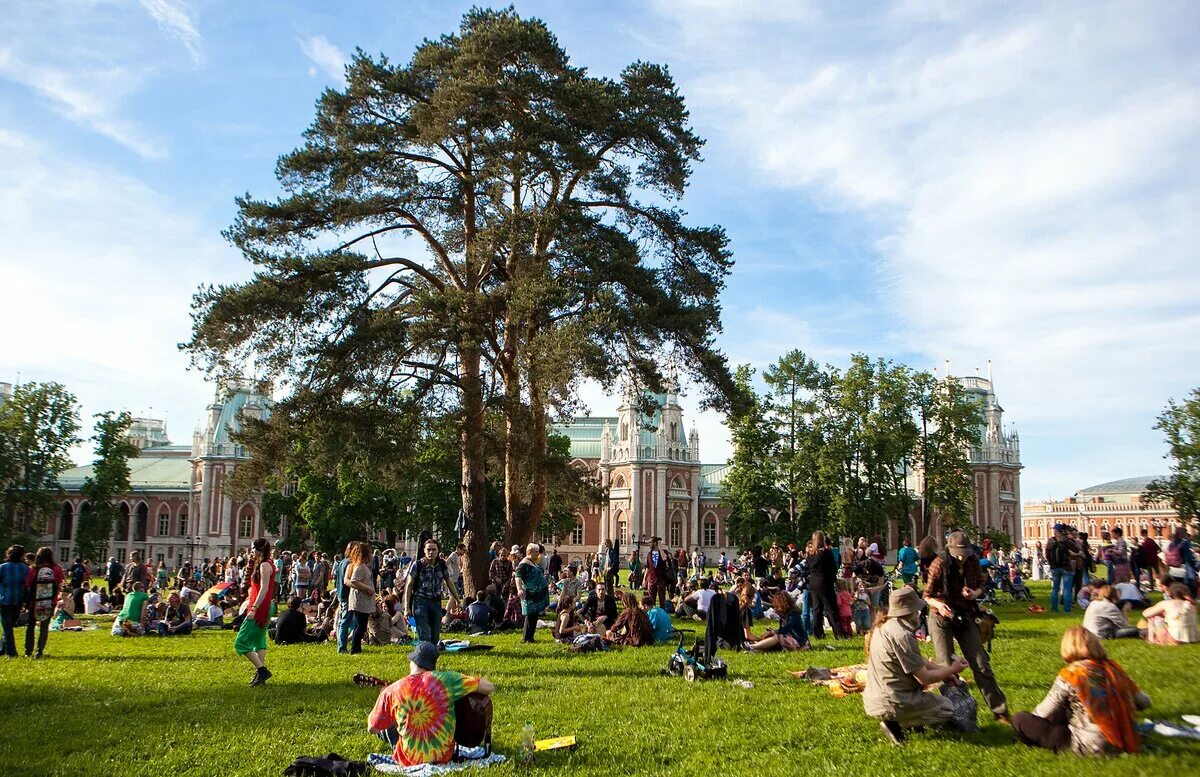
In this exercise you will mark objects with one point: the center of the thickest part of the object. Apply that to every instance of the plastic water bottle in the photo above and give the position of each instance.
(527, 746)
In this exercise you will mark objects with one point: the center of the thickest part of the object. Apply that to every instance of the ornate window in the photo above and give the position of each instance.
(710, 533)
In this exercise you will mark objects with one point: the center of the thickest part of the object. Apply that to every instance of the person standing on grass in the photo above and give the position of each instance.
(359, 580)
(251, 640)
(500, 571)
(42, 586)
(345, 620)
(955, 584)
(14, 573)
(532, 589)
(427, 576)
(822, 579)
(1058, 556)
(656, 571)
(906, 559)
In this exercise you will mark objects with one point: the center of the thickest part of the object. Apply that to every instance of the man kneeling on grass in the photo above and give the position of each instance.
(416, 715)
(897, 673)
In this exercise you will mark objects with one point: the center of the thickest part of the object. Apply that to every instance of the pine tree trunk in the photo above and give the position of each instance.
(475, 567)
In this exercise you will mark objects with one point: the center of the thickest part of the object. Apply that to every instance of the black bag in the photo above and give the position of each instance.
(963, 719)
(332, 765)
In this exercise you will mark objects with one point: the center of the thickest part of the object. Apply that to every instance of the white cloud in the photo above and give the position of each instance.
(326, 57)
(94, 271)
(175, 20)
(1033, 180)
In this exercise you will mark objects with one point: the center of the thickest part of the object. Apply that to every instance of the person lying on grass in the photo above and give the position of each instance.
(789, 636)
(415, 715)
(1091, 706)
(897, 673)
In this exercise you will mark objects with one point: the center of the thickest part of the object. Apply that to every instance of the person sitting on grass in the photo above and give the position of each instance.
(897, 673)
(131, 620)
(291, 627)
(93, 602)
(177, 619)
(660, 622)
(1104, 618)
(214, 616)
(415, 715)
(1090, 708)
(1129, 596)
(632, 627)
(480, 616)
(567, 624)
(600, 609)
(1173, 620)
(790, 635)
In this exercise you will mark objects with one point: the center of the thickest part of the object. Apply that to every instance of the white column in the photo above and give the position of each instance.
(635, 497)
(660, 504)
(697, 529)
(604, 534)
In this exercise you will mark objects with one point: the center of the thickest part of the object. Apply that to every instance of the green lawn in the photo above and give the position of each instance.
(102, 705)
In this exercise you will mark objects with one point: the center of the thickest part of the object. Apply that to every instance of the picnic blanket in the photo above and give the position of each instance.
(841, 680)
(474, 758)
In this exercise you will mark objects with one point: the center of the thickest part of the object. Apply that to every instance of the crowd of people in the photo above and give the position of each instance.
(385, 597)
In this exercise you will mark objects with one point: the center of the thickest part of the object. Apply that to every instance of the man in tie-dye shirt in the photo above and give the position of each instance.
(416, 715)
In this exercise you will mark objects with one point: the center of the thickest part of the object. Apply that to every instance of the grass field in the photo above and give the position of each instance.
(98, 705)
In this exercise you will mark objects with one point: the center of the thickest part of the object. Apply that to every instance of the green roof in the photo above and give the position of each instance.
(230, 421)
(146, 473)
(584, 434)
(711, 478)
(1119, 487)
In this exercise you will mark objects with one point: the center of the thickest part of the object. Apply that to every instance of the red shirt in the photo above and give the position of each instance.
(262, 614)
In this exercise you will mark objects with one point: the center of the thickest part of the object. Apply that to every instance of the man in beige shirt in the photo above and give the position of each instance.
(897, 673)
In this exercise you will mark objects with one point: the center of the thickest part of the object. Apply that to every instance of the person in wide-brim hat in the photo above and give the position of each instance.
(955, 584)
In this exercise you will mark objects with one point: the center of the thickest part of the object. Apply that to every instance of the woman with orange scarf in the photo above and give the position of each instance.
(1090, 708)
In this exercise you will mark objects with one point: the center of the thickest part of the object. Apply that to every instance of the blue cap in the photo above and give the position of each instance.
(424, 655)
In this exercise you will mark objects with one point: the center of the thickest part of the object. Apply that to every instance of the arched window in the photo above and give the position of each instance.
(577, 532)
(164, 521)
(183, 521)
(624, 431)
(141, 526)
(676, 534)
(623, 532)
(674, 432)
(122, 532)
(66, 521)
(619, 481)
(246, 523)
(710, 533)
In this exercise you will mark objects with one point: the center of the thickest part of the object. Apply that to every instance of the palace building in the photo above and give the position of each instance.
(1117, 503)
(657, 485)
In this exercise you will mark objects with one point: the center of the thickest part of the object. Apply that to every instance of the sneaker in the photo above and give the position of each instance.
(893, 732)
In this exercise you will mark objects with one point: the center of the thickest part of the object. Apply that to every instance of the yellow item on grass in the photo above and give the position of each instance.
(557, 743)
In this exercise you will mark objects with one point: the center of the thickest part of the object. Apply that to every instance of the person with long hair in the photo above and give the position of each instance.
(926, 553)
(1173, 620)
(822, 579)
(362, 592)
(43, 584)
(251, 640)
(790, 635)
(632, 627)
(1091, 706)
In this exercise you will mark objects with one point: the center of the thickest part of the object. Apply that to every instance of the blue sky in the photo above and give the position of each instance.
(920, 180)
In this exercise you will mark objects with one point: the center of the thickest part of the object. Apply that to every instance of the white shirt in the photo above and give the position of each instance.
(91, 603)
(1128, 592)
(703, 598)
(215, 612)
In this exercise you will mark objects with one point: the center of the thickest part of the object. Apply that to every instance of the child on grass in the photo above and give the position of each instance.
(861, 608)
(844, 602)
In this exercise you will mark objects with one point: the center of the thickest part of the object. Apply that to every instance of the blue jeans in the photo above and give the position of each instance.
(1064, 580)
(428, 615)
(806, 612)
(9, 613)
(345, 622)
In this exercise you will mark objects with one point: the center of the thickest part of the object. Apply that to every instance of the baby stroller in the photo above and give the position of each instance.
(1017, 589)
(694, 663)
